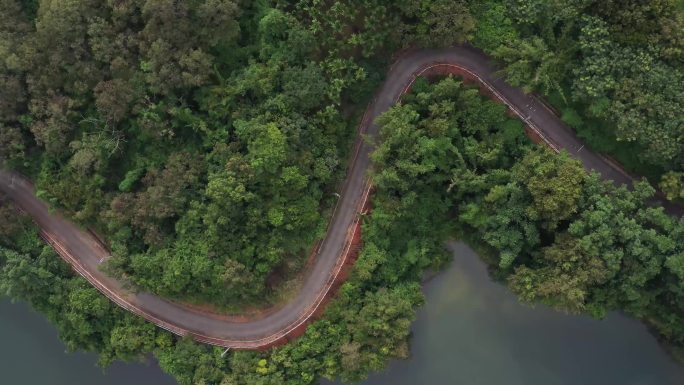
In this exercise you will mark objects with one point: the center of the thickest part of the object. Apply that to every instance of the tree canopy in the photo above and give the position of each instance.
(203, 140)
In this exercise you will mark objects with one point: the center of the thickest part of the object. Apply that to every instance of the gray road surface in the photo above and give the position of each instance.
(85, 253)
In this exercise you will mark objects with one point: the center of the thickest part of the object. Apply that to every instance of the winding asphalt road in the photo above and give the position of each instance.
(85, 253)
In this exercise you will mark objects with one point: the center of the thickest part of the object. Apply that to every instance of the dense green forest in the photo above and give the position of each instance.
(203, 141)
(163, 125)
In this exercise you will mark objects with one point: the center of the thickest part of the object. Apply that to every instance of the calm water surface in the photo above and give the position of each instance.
(32, 354)
(471, 332)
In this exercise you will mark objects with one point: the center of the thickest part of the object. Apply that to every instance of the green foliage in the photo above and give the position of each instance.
(494, 27)
(166, 129)
(441, 23)
(531, 65)
(203, 139)
(555, 184)
(572, 118)
(212, 116)
(130, 179)
(616, 64)
(672, 184)
(564, 281)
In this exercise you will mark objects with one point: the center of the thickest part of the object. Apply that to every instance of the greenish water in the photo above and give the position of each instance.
(32, 354)
(472, 331)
